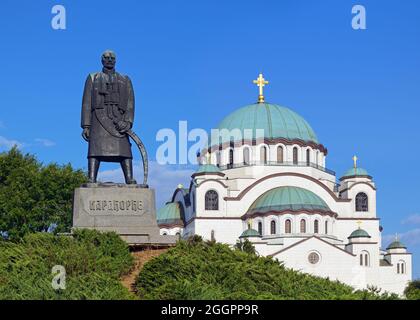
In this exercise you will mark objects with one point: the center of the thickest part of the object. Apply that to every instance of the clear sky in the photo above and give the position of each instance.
(195, 61)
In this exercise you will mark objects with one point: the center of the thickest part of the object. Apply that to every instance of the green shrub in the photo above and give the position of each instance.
(94, 263)
(412, 291)
(203, 270)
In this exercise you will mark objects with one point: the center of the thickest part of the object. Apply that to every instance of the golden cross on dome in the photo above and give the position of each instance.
(355, 161)
(359, 223)
(208, 158)
(260, 82)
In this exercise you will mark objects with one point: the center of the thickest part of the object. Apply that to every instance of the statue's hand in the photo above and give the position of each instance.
(123, 126)
(86, 133)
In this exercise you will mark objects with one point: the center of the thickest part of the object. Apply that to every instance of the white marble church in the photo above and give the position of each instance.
(272, 187)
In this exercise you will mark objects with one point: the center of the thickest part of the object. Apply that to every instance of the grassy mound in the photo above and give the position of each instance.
(204, 270)
(94, 263)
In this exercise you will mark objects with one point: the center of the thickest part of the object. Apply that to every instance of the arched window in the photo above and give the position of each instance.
(362, 202)
(211, 200)
(279, 154)
(317, 158)
(326, 227)
(302, 226)
(273, 227)
(260, 231)
(164, 233)
(288, 226)
(212, 237)
(246, 155)
(316, 226)
(401, 267)
(230, 164)
(308, 157)
(295, 155)
(263, 154)
(364, 259)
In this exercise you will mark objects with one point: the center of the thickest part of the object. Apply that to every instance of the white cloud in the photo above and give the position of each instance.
(163, 178)
(9, 143)
(409, 238)
(412, 219)
(45, 142)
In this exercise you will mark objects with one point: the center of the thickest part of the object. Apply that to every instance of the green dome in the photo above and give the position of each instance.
(170, 213)
(208, 168)
(356, 172)
(277, 122)
(288, 198)
(250, 233)
(396, 245)
(359, 233)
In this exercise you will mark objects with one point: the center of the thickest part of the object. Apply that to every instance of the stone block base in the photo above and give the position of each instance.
(129, 210)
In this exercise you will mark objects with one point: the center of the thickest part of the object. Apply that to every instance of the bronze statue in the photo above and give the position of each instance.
(107, 118)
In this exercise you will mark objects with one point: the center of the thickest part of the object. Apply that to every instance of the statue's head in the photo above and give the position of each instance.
(109, 59)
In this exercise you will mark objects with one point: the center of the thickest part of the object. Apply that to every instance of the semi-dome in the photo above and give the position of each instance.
(359, 233)
(208, 168)
(275, 120)
(396, 245)
(169, 214)
(288, 199)
(250, 233)
(355, 172)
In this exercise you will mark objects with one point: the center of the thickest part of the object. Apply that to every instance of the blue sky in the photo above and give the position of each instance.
(195, 61)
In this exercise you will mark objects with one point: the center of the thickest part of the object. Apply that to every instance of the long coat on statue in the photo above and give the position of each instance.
(108, 98)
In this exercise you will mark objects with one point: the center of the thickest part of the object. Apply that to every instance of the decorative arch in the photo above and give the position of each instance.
(280, 174)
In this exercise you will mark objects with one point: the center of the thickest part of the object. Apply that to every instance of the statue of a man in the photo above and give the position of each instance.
(107, 114)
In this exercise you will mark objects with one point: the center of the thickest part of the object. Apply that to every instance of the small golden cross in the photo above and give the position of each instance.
(355, 161)
(260, 82)
(208, 158)
(359, 223)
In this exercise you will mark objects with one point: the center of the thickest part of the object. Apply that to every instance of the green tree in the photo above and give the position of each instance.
(35, 197)
(412, 291)
(245, 246)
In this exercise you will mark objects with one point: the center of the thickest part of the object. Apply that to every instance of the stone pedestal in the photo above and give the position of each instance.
(129, 210)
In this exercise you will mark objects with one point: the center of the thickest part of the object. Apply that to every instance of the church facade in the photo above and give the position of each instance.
(264, 179)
